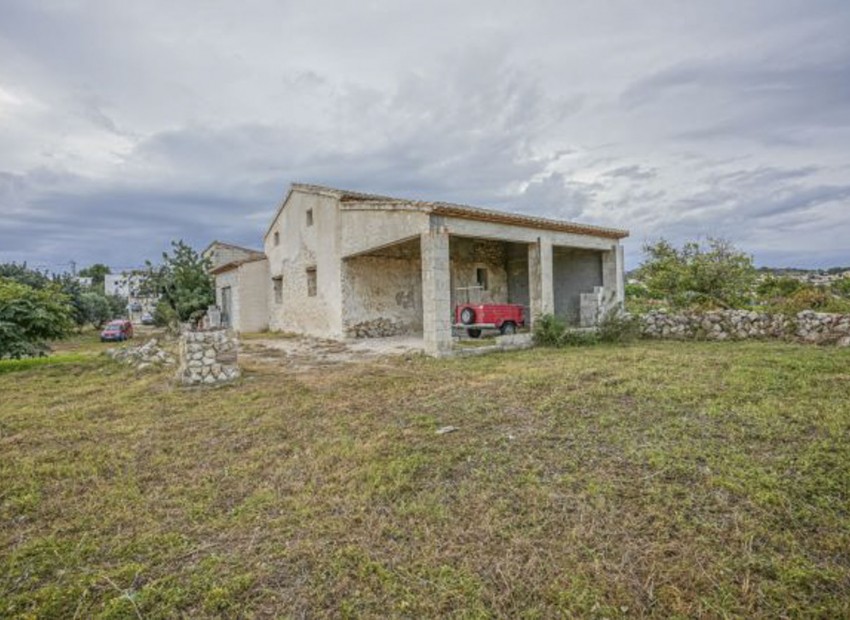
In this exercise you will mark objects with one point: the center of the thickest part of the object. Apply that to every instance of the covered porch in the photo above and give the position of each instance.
(410, 288)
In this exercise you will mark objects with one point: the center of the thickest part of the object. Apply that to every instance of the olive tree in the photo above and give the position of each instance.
(714, 273)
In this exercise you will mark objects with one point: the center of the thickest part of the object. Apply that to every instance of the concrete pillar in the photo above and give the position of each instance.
(436, 292)
(613, 273)
(541, 289)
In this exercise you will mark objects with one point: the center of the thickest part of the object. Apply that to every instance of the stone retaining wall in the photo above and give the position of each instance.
(807, 326)
(208, 357)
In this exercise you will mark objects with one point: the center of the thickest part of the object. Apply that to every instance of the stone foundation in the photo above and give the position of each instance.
(808, 326)
(208, 357)
(377, 328)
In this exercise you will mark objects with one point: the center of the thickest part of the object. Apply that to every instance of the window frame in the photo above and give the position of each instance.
(312, 282)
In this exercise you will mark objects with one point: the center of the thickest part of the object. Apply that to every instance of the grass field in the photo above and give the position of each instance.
(657, 479)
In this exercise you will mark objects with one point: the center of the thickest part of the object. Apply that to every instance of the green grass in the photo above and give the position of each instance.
(657, 479)
(37, 362)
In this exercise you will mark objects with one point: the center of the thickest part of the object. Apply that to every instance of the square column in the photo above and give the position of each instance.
(436, 292)
(541, 289)
(613, 274)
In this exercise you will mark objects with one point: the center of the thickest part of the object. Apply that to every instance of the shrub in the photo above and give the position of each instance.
(812, 298)
(618, 326)
(549, 331)
(29, 318)
(712, 275)
(164, 315)
(615, 326)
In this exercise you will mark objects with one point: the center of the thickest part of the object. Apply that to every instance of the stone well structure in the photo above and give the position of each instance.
(208, 357)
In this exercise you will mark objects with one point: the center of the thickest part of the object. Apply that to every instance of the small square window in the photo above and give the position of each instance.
(277, 238)
(311, 282)
(278, 289)
(481, 278)
(309, 217)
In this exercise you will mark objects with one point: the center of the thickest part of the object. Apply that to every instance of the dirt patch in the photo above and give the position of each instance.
(302, 353)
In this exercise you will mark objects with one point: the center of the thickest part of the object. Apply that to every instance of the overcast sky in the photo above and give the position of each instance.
(124, 125)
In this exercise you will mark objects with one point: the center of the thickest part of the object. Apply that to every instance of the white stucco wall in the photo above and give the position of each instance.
(302, 247)
(254, 292)
(249, 286)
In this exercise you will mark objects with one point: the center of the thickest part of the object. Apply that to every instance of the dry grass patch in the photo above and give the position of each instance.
(658, 479)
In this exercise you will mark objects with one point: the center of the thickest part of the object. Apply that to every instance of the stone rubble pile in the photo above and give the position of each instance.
(376, 328)
(807, 326)
(144, 356)
(208, 357)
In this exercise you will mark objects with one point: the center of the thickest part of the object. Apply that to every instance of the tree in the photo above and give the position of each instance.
(97, 273)
(182, 281)
(30, 317)
(714, 274)
(24, 275)
(96, 309)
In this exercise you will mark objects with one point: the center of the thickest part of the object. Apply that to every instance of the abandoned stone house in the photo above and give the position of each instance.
(339, 264)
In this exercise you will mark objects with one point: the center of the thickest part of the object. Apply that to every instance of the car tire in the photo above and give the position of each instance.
(467, 316)
(508, 328)
(474, 333)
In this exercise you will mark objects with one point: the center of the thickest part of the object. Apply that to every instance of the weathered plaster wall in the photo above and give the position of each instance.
(382, 295)
(302, 247)
(468, 255)
(253, 297)
(221, 254)
(365, 228)
(574, 271)
(249, 290)
(224, 280)
(517, 234)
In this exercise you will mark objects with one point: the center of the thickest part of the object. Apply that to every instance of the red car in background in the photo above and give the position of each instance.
(507, 318)
(117, 331)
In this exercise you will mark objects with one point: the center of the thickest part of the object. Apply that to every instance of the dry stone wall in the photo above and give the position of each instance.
(208, 357)
(807, 326)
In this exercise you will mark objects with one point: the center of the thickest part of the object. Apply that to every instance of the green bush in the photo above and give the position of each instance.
(710, 275)
(618, 326)
(164, 315)
(549, 331)
(813, 298)
(30, 317)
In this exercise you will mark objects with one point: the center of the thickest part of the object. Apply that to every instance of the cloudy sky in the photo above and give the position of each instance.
(126, 124)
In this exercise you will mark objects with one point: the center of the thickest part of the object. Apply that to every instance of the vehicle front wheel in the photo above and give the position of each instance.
(474, 333)
(508, 328)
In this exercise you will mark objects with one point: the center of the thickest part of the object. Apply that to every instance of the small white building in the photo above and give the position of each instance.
(335, 263)
(128, 284)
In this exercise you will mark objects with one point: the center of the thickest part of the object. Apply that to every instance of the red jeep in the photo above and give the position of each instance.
(475, 317)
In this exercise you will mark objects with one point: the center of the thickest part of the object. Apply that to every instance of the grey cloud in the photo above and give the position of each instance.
(636, 173)
(133, 132)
